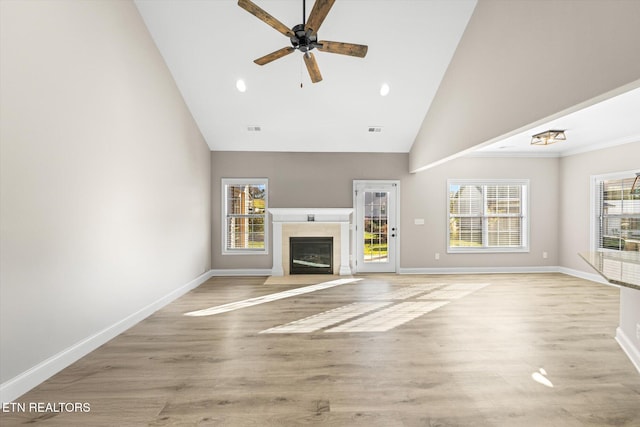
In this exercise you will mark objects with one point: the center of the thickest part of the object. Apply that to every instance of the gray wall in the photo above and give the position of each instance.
(425, 195)
(104, 177)
(326, 180)
(510, 70)
(309, 180)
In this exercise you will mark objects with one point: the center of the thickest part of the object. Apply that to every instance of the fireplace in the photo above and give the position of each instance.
(311, 255)
(311, 222)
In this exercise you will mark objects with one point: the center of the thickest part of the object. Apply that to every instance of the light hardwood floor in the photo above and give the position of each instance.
(470, 362)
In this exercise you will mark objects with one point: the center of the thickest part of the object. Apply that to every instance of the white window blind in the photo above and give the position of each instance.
(245, 215)
(487, 216)
(618, 214)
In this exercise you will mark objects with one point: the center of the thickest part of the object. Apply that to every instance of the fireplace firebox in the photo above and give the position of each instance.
(311, 255)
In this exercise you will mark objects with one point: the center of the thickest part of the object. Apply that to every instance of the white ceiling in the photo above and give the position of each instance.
(610, 122)
(209, 44)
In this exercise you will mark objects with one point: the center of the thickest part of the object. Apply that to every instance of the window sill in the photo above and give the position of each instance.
(486, 250)
(245, 252)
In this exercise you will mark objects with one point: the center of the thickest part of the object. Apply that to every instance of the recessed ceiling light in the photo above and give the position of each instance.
(241, 85)
(384, 89)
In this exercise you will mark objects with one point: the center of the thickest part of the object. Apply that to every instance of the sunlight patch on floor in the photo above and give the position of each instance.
(389, 318)
(268, 298)
(383, 318)
(327, 318)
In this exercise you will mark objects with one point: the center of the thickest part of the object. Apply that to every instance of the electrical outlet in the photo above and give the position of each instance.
(437, 256)
(638, 331)
(545, 255)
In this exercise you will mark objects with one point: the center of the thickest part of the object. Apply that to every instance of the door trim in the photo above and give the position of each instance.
(354, 235)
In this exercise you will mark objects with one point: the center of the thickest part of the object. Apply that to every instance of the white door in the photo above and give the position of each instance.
(376, 226)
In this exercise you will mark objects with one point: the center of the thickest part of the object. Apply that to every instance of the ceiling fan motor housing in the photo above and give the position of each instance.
(303, 40)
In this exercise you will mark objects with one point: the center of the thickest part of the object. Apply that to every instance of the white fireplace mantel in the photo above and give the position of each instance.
(302, 214)
(313, 217)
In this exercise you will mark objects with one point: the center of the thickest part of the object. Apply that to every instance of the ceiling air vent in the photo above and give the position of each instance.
(254, 128)
(375, 129)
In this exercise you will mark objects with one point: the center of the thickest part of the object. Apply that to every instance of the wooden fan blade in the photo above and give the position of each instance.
(320, 10)
(312, 67)
(274, 55)
(350, 49)
(259, 13)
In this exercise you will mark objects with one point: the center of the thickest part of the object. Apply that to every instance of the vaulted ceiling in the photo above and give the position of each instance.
(210, 45)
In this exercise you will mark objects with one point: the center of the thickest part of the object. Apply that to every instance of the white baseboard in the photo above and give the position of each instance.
(630, 350)
(479, 270)
(19, 385)
(584, 275)
(497, 270)
(242, 272)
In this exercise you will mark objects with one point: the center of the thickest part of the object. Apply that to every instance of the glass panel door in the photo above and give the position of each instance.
(376, 228)
(375, 242)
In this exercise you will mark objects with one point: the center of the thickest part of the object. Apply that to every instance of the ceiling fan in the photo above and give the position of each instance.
(304, 37)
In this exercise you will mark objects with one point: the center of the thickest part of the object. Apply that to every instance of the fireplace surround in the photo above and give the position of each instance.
(311, 222)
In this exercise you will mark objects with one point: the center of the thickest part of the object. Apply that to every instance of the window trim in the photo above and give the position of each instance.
(525, 227)
(594, 206)
(223, 215)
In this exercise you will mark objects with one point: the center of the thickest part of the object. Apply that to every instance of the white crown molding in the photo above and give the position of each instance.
(505, 153)
(563, 153)
(602, 146)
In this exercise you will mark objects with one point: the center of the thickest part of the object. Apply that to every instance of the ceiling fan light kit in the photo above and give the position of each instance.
(304, 37)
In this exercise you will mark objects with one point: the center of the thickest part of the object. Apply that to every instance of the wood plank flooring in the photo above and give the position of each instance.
(470, 361)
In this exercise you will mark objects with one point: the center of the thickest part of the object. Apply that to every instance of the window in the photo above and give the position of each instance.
(244, 204)
(488, 216)
(617, 212)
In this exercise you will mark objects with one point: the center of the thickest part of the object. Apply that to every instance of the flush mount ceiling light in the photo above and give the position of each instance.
(241, 85)
(384, 89)
(548, 137)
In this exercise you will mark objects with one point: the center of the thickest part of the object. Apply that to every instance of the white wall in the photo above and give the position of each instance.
(105, 201)
(520, 62)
